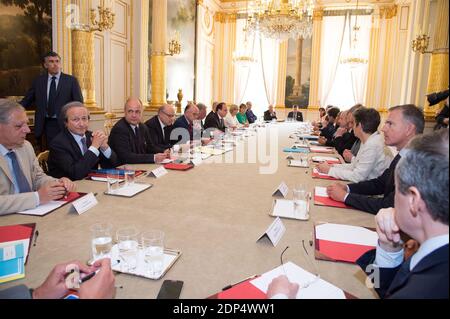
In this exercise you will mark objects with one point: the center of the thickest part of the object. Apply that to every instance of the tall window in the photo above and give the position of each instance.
(341, 85)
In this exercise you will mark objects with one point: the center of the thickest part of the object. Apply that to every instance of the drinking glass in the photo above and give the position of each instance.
(113, 181)
(153, 245)
(127, 239)
(129, 175)
(301, 201)
(101, 240)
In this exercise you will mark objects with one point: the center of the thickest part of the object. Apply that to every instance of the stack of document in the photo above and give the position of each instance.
(15, 243)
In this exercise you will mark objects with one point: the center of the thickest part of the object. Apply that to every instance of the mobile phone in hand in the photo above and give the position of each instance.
(170, 289)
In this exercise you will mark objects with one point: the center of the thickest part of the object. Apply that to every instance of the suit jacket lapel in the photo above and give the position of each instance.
(4, 166)
(60, 84)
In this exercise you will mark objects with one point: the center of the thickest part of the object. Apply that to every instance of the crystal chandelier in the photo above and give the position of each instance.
(354, 58)
(282, 19)
(243, 57)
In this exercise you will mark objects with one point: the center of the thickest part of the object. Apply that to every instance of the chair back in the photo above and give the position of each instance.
(43, 160)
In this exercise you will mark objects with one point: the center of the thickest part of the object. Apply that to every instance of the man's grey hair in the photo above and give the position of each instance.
(413, 115)
(425, 166)
(7, 107)
(67, 107)
(201, 106)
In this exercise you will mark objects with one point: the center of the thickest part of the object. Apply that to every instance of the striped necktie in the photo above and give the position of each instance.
(21, 180)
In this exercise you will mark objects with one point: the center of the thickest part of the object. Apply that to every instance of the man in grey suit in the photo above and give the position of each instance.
(49, 93)
(23, 184)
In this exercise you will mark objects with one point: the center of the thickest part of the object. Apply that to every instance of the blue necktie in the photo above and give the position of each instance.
(51, 107)
(84, 145)
(21, 180)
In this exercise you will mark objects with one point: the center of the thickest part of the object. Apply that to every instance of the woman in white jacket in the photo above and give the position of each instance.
(373, 156)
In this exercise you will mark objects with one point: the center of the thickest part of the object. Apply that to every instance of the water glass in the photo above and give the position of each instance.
(127, 239)
(129, 177)
(301, 202)
(101, 240)
(113, 181)
(153, 245)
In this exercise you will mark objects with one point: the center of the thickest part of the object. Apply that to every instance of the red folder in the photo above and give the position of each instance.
(178, 167)
(17, 232)
(327, 201)
(322, 150)
(337, 251)
(317, 175)
(336, 161)
(243, 290)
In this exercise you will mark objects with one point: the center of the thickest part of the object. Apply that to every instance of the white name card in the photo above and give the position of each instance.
(282, 190)
(159, 172)
(196, 161)
(274, 233)
(84, 203)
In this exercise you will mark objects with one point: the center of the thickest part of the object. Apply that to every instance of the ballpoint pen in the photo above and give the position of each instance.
(239, 282)
(92, 274)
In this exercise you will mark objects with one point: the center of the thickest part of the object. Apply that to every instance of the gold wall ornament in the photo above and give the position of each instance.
(318, 14)
(420, 44)
(180, 99)
(106, 19)
(388, 12)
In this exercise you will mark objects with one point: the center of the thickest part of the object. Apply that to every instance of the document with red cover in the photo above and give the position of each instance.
(321, 149)
(243, 290)
(346, 243)
(20, 232)
(178, 167)
(45, 209)
(317, 174)
(328, 159)
(321, 198)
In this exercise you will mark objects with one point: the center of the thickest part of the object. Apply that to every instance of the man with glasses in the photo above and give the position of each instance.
(23, 184)
(184, 125)
(76, 151)
(130, 138)
(160, 127)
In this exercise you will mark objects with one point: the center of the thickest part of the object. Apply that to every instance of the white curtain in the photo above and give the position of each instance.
(349, 84)
(332, 39)
(257, 83)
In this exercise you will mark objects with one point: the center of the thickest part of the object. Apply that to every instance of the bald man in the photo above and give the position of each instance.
(130, 139)
(186, 122)
(160, 127)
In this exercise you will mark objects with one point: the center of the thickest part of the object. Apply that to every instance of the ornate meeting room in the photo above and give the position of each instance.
(220, 149)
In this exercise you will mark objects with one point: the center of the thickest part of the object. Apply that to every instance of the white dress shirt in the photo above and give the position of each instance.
(91, 148)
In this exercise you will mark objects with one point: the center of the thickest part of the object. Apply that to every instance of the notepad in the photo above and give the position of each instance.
(286, 209)
(321, 149)
(337, 242)
(328, 159)
(50, 207)
(129, 190)
(294, 163)
(296, 150)
(321, 198)
(317, 289)
(317, 174)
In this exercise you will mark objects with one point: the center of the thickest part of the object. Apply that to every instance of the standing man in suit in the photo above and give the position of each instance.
(270, 114)
(296, 114)
(403, 123)
(216, 120)
(76, 151)
(251, 117)
(183, 128)
(130, 139)
(23, 184)
(49, 93)
(160, 127)
(201, 114)
(421, 211)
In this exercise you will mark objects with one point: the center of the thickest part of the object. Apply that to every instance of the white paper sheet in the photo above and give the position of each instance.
(295, 163)
(130, 190)
(324, 159)
(316, 171)
(321, 191)
(285, 208)
(41, 210)
(319, 289)
(346, 234)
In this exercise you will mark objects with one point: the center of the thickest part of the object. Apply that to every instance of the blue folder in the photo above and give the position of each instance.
(296, 150)
(12, 267)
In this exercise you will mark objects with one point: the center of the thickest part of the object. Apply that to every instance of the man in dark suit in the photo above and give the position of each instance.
(130, 138)
(75, 151)
(160, 127)
(421, 211)
(49, 93)
(202, 114)
(328, 131)
(251, 117)
(402, 124)
(215, 120)
(295, 114)
(270, 114)
(183, 128)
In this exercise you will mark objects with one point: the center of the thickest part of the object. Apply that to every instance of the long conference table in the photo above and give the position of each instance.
(213, 213)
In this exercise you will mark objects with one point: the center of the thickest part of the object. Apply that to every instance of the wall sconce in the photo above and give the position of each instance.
(174, 45)
(420, 44)
(106, 19)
